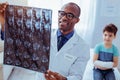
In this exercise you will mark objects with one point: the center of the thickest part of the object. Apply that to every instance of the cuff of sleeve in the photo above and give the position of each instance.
(64, 78)
(2, 35)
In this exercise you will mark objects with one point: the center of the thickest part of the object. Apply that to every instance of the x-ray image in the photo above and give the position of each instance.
(27, 37)
(37, 14)
(19, 12)
(28, 23)
(46, 19)
(10, 10)
(28, 12)
(10, 21)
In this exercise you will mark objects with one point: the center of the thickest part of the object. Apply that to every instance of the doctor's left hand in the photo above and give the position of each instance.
(2, 11)
(54, 76)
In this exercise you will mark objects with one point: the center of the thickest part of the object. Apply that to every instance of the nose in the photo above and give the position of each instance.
(107, 37)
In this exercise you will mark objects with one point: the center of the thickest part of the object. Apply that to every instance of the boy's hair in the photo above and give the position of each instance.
(111, 28)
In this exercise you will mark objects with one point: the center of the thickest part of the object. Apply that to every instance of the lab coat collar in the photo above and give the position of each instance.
(68, 45)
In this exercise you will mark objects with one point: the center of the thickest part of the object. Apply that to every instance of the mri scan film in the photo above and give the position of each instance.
(27, 37)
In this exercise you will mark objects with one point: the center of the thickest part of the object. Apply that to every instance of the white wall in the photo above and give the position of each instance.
(16, 2)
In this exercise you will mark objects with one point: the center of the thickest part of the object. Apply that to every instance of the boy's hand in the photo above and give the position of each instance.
(102, 68)
(2, 11)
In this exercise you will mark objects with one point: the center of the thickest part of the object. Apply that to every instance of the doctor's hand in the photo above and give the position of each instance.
(3, 7)
(2, 10)
(49, 75)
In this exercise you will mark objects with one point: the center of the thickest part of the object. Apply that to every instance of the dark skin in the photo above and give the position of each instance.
(2, 10)
(50, 75)
(65, 25)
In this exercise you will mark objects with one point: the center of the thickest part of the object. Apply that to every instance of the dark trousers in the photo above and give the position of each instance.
(103, 74)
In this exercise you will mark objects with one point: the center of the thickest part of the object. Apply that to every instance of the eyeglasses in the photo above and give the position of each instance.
(68, 15)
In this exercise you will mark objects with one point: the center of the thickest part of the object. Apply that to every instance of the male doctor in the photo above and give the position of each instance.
(68, 54)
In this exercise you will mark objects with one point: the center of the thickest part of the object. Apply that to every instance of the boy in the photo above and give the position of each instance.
(106, 55)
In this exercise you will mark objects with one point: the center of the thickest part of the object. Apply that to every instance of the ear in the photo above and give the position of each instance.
(77, 20)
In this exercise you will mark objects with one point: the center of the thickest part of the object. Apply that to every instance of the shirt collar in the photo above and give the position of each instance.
(68, 36)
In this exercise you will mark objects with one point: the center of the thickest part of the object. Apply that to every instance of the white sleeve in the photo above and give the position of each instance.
(7, 71)
(103, 64)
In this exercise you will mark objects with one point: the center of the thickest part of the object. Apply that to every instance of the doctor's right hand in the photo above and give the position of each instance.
(50, 75)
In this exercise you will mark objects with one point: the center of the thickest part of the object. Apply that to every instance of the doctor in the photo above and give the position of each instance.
(69, 53)
(71, 59)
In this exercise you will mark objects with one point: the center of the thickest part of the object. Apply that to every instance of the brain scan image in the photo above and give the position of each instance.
(37, 14)
(37, 25)
(28, 13)
(28, 23)
(10, 10)
(19, 22)
(20, 12)
(27, 37)
(10, 21)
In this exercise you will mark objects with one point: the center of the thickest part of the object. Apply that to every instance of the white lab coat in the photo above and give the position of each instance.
(70, 60)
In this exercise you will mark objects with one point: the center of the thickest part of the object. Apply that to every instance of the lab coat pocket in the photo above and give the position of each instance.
(69, 57)
(67, 61)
